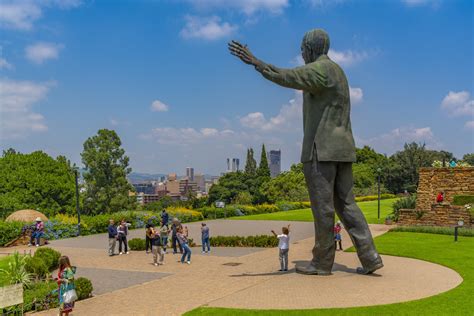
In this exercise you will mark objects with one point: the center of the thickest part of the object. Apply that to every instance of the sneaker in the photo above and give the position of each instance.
(189, 262)
(203, 252)
(156, 264)
(281, 270)
(29, 245)
(37, 245)
(285, 270)
(127, 252)
(162, 263)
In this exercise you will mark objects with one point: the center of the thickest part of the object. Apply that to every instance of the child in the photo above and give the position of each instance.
(205, 238)
(337, 235)
(283, 246)
(183, 241)
(156, 247)
(164, 231)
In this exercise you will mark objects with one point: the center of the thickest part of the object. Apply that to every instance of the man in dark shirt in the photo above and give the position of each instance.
(164, 217)
(174, 238)
(112, 237)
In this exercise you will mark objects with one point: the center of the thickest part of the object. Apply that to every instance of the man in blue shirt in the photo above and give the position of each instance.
(164, 217)
(112, 237)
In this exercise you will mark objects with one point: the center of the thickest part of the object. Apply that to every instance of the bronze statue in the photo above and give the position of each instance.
(328, 149)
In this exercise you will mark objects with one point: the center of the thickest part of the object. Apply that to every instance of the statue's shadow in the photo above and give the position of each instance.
(337, 267)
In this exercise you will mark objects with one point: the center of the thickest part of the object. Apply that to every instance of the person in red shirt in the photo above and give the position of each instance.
(440, 197)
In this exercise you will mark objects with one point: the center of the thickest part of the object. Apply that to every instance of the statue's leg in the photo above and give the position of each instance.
(320, 177)
(353, 218)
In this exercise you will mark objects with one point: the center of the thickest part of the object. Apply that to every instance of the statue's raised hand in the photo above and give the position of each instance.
(242, 52)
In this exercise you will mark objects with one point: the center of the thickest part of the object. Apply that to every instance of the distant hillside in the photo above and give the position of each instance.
(137, 177)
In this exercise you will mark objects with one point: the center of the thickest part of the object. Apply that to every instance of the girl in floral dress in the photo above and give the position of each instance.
(65, 283)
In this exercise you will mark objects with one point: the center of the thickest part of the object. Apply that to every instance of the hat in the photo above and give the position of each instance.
(38, 219)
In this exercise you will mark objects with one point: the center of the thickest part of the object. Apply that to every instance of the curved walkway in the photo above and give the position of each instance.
(250, 280)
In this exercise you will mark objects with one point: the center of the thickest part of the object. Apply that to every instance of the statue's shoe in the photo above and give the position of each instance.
(370, 270)
(311, 270)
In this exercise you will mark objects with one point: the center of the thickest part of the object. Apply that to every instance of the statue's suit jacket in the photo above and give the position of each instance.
(326, 107)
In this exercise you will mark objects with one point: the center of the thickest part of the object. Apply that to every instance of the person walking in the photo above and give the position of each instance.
(337, 235)
(183, 240)
(283, 247)
(112, 237)
(37, 233)
(175, 226)
(148, 237)
(122, 231)
(205, 238)
(65, 282)
(165, 217)
(156, 247)
(164, 232)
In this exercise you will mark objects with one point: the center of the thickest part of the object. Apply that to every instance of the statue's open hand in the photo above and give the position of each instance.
(242, 52)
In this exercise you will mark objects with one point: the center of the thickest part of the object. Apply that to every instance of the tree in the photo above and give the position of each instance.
(106, 170)
(263, 168)
(229, 186)
(469, 159)
(287, 186)
(36, 181)
(250, 164)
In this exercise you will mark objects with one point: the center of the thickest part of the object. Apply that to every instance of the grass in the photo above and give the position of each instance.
(439, 249)
(369, 209)
(3, 265)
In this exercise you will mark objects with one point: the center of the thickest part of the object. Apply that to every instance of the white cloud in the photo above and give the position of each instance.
(209, 28)
(356, 95)
(185, 136)
(248, 7)
(158, 106)
(289, 117)
(41, 52)
(348, 57)
(458, 103)
(21, 15)
(16, 114)
(417, 3)
(469, 125)
(395, 139)
(4, 64)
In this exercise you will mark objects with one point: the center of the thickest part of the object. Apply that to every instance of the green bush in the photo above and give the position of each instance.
(10, 231)
(49, 256)
(83, 288)
(37, 267)
(434, 230)
(366, 198)
(240, 241)
(463, 199)
(408, 202)
(137, 244)
(39, 296)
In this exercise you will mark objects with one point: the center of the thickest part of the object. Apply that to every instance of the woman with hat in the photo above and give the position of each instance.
(37, 233)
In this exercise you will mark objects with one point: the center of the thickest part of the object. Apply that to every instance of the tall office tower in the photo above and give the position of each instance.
(274, 162)
(190, 173)
(235, 164)
(228, 165)
(201, 182)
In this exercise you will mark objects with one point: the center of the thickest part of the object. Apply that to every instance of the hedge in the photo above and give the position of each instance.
(9, 231)
(366, 198)
(463, 199)
(249, 241)
(434, 230)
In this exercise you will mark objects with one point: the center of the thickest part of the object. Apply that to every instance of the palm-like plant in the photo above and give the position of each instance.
(16, 273)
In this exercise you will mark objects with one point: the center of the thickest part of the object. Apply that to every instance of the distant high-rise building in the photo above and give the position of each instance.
(146, 188)
(172, 177)
(200, 181)
(190, 173)
(274, 162)
(235, 164)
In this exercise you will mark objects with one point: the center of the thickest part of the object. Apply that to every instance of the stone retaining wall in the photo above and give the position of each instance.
(439, 215)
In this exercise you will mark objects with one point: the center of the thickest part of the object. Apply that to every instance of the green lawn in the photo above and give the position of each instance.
(3, 265)
(369, 208)
(439, 249)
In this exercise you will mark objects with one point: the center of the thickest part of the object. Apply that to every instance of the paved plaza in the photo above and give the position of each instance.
(242, 277)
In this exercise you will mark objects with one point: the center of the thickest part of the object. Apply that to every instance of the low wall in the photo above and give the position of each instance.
(443, 214)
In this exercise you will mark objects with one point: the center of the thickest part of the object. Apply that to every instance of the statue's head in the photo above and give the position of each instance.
(314, 44)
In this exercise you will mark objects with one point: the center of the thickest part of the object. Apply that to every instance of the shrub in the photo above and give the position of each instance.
(366, 198)
(49, 256)
(39, 296)
(83, 288)
(408, 202)
(249, 241)
(136, 244)
(463, 199)
(434, 230)
(10, 231)
(15, 272)
(37, 267)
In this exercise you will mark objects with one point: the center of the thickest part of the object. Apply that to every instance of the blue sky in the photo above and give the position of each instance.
(158, 72)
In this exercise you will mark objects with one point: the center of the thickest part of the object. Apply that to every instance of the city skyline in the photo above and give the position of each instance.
(177, 98)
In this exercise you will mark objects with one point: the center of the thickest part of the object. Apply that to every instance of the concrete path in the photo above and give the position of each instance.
(252, 280)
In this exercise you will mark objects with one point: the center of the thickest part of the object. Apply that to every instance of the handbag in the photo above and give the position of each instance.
(70, 296)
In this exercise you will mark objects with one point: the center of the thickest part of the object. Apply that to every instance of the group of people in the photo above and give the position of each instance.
(118, 233)
(156, 239)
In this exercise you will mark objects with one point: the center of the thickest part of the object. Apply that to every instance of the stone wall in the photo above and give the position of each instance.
(452, 181)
